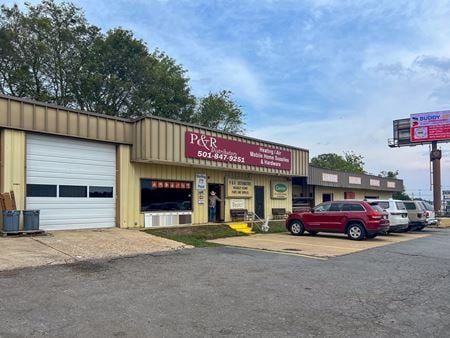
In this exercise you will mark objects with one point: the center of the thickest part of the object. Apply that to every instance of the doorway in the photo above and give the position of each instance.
(259, 201)
(327, 197)
(219, 189)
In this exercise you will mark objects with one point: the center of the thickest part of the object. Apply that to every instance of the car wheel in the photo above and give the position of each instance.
(420, 228)
(296, 228)
(356, 232)
(312, 233)
(371, 236)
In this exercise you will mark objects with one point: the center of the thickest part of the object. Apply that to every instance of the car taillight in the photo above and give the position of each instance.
(427, 214)
(375, 216)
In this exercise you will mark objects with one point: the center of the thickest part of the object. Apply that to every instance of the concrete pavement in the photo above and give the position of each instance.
(60, 247)
(321, 245)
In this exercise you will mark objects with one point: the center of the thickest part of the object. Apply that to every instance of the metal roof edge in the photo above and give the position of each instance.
(59, 107)
(133, 121)
(192, 125)
(350, 173)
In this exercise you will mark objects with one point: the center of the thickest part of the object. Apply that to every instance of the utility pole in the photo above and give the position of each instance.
(435, 158)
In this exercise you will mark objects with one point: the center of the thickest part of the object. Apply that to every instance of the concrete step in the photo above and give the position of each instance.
(241, 227)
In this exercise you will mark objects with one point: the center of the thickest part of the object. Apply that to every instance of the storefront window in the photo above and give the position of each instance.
(349, 195)
(159, 195)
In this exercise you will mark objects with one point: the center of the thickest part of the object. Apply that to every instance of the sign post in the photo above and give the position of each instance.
(435, 158)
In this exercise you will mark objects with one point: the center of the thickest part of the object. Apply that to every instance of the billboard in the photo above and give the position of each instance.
(213, 148)
(432, 126)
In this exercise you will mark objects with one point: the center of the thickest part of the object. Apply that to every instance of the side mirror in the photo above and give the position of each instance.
(313, 210)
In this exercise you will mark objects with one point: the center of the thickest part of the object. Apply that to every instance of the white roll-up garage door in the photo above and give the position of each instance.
(72, 182)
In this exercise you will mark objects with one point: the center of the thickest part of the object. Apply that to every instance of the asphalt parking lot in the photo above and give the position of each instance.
(400, 290)
(322, 245)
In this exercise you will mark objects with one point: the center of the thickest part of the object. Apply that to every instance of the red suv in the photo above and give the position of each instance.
(357, 219)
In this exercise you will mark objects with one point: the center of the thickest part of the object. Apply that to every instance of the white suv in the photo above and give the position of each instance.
(398, 215)
(430, 215)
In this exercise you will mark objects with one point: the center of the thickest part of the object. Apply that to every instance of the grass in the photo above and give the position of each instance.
(275, 226)
(196, 235)
(199, 235)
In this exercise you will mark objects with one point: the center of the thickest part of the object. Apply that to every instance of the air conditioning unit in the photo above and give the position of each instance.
(162, 219)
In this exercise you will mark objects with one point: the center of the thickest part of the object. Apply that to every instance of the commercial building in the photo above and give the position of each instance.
(86, 170)
(324, 185)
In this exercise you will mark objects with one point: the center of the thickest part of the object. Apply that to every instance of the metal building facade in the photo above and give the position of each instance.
(159, 140)
(149, 148)
(341, 185)
(22, 114)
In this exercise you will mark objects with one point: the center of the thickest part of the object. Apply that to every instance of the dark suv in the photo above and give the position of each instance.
(357, 219)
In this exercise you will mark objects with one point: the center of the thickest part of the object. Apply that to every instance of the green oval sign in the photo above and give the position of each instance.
(280, 187)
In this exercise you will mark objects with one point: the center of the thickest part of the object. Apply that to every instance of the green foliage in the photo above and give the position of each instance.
(401, 196)
(218, 111)
(388, 174)
(51, 53)
(41, 50)
(350, 162)
(275, 226)
(196, 236)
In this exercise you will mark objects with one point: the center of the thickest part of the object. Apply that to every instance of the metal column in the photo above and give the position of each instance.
(435, 158)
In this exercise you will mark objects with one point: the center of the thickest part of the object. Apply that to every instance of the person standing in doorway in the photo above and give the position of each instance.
(212, 204)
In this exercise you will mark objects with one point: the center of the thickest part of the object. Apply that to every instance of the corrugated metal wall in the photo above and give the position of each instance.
(338, 193)
(315, 178)
(130, 173)
(26, 115)
(13, 145)
(159, 140)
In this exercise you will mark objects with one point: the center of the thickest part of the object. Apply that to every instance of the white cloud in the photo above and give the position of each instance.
(328, 75)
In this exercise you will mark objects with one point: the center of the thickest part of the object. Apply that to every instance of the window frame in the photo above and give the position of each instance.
(100, 186)
(191, 200)
(72, 185)
(47, 185)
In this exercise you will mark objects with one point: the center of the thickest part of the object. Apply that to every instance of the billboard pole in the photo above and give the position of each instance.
(435, 158)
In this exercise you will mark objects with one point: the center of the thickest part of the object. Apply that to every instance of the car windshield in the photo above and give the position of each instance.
(400, 206)
(376, 207)
(428, 206)
(410, 205)
(383, 205)
(322, 207)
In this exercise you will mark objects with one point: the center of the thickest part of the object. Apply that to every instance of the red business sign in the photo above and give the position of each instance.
(432, 126)
(171, 185)
(214, 148)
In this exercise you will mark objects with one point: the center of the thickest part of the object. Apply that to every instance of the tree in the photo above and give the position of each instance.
(388, 174)
(218, 111)
(350, 162)
(51, 53)
(40, 51)
(400, 195)
(120, 77)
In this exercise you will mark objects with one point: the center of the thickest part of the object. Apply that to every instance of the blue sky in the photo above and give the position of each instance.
(325, 75)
